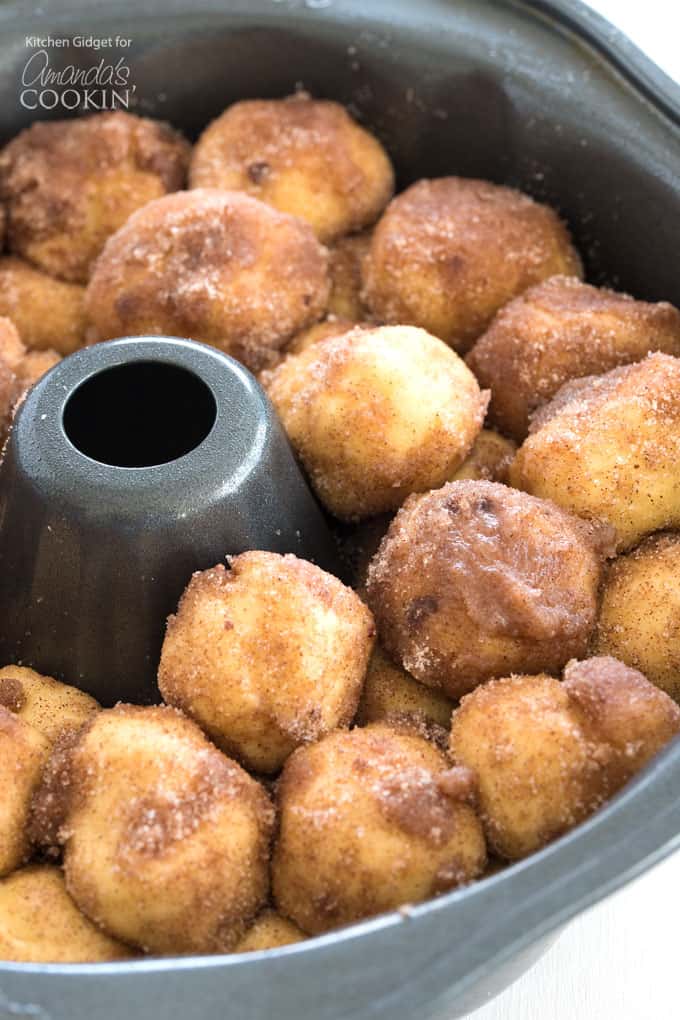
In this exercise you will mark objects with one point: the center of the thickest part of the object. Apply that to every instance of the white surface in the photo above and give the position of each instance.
(619, 960)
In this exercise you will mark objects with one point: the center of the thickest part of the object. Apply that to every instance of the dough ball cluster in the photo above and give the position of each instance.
(266, 655)
(376, 414)
(607, 447)
(476, 580)
(69, 185)
(216, 266)
(166, 840)
(560, 330)
(301, 155)
(546, 754)
(449, 252)
(370, 820)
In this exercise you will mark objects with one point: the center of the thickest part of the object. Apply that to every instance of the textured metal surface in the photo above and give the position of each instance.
(544, 96)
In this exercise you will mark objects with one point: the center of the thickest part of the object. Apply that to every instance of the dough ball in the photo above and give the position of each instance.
(639, 619)
(346, 259)
(548, 754)
(370, 820)
(267, 655)
(48, 313)
(214, 266)
(448, 253)
(608, 447)
(561, 330)
(166, 841)
(19, 370)
(51, 707)
(377, 414)
(489, 459)
(40, 923)
(70, 184)
(301, 155)
(23, 754)
(390, 695)
(476, 580)
(269, 931)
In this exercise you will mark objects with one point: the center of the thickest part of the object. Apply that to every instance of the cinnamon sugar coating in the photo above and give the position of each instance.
(547, 754)
(19, 370)
(376, 414)
(301, 155)
(561, 330)
(214, 266)
(40, 923)
(639, 619)
(166, 840)
(489, 459)
(69, 185)
(390, 695)
(48, 313)
(51, 707)
(449, 252)
(345, 266)
(368, 822)
(269, 931)
(608, 446)
(23, 755)
(267, 655)
(476, 580)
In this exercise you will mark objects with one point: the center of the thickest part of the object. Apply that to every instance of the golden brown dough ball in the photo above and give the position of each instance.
(317, 333)
(40, 923)
(560, 330)
(303, 156)
(489, 459)
(371, 820)
(448, 253)
(608, 447)
(269, 931)
(639, 620)
(376, 414)
(33, 367)
(23, 754)
(390, 695)
(267, 655)
(48, 313)
(214, 266)
(49, 706)
(476, 580)
(346, 259)
(12, 348)
(547, 754)
(12, 352)
(166, 839)
(70, 184)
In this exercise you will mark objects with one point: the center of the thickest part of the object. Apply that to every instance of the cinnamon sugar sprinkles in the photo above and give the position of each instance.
(497, 442)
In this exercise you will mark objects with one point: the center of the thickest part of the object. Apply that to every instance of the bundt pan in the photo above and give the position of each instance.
(542, 95)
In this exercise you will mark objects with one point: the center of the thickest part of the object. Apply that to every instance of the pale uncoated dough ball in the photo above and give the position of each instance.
(476, 580)
(376, 414)
(266, 655)
(448, 253)
(370, 820)
(608, 447)
(547, 754)
(48, 705)
(40, 923)
(639, 620)
(166, 840)
(304, 156)
(214, 266)
(23, 754)
(561, 330)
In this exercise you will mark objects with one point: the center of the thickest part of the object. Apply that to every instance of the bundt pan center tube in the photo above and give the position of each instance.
(543, 96)
(130, 465)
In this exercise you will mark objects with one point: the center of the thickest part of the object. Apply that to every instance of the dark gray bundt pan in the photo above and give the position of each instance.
(542, 95)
